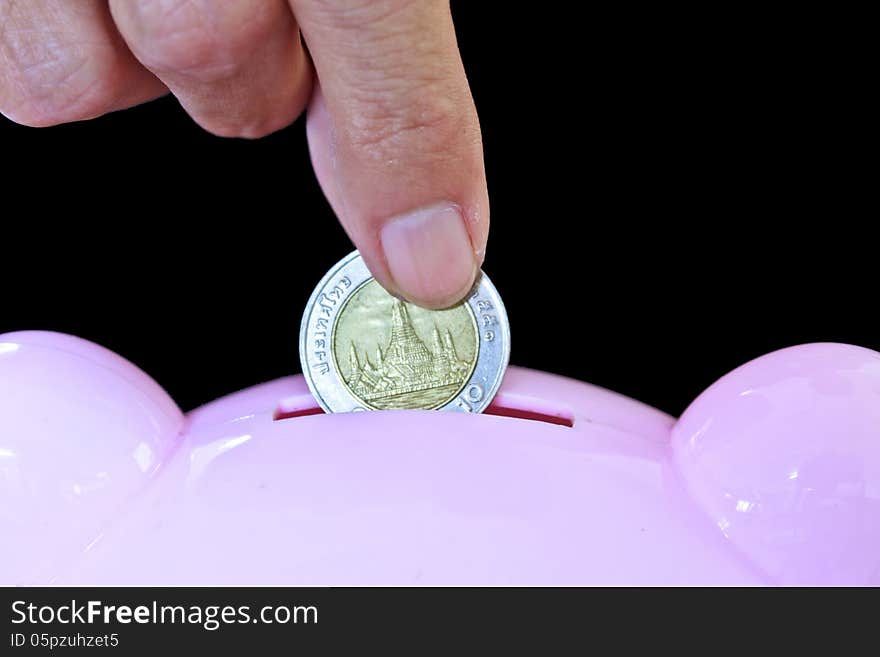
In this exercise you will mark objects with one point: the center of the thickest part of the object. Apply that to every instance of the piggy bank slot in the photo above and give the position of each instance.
(510, 405)
(526, 407)
(296, 406)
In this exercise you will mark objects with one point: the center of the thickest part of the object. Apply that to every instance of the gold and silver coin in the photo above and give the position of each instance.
(363, 349)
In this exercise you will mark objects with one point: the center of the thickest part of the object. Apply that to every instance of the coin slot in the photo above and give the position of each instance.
(504, 405)
(286, 415)
(523, 414)
(299, 405)
(526, 407)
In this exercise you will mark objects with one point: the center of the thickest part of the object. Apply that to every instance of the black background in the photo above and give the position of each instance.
(672, 195)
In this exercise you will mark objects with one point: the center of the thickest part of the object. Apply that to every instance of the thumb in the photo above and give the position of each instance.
(395, 142)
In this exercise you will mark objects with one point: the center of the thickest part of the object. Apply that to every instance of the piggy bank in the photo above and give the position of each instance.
(771, 476)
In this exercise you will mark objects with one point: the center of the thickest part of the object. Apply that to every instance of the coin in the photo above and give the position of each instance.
(362, 349)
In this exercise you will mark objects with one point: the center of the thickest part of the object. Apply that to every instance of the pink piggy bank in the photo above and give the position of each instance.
(772, 476)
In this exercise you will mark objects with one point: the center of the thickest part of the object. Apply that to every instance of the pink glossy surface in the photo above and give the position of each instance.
(625, 496)
(784, 456)
(82, 431)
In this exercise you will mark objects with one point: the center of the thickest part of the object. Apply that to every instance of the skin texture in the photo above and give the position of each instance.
(392, 128)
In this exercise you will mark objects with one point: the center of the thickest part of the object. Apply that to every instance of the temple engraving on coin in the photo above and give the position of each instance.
(397, 355)
(361, 349)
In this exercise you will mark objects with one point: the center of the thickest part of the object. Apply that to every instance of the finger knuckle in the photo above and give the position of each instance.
(242, 129)
(197, 38)
(46, 83)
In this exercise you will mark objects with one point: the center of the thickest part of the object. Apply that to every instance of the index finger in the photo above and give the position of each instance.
(396, 142)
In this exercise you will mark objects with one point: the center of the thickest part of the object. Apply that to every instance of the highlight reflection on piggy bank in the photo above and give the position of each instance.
(772, 476)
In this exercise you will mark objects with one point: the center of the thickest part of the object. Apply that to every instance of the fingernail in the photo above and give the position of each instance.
(429, 255)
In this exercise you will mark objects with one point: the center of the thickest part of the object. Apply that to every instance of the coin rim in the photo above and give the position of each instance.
(482, 287)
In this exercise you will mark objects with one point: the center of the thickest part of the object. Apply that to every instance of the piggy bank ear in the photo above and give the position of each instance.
(81, 431)
(783, 454)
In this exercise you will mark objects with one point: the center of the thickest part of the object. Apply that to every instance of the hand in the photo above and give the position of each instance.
(392, 127)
